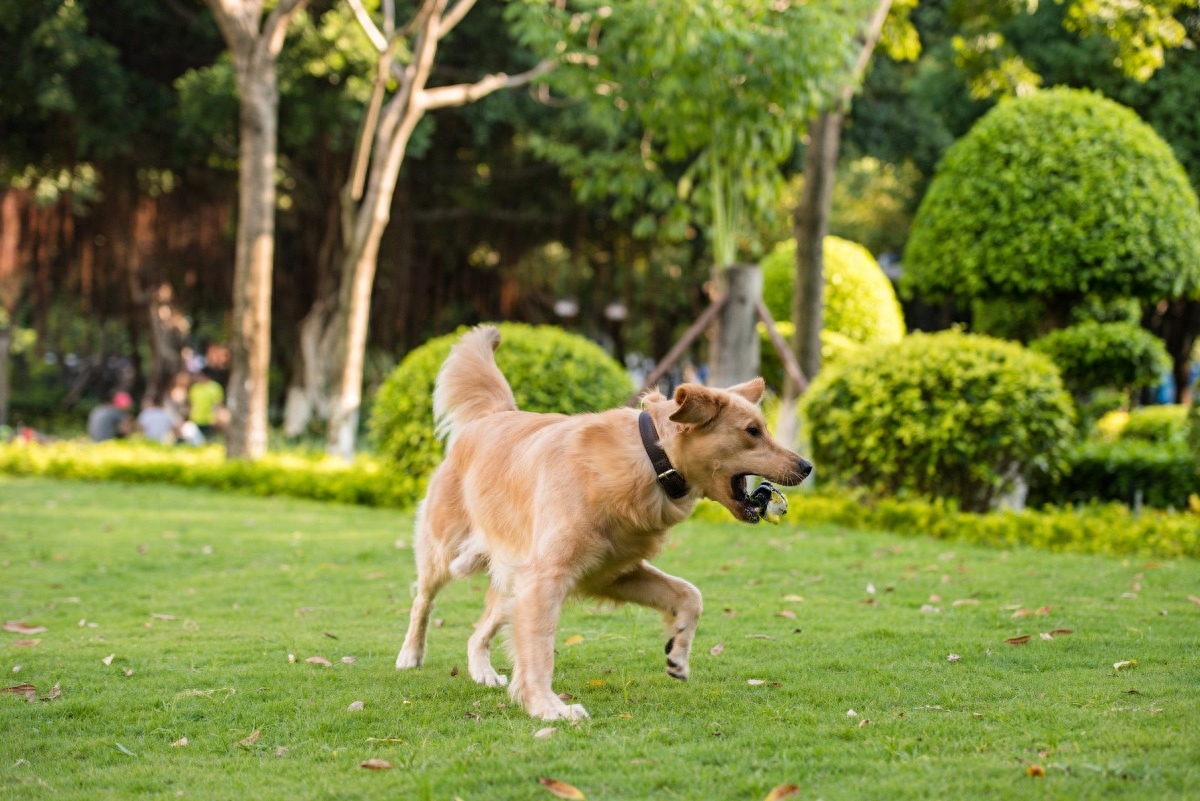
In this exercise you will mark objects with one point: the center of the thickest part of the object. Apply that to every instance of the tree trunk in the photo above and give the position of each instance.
(737, 350)
(308, 396)
(810, 228)
(250, 340)
(10, 286)
(385, 137)
(255, 47)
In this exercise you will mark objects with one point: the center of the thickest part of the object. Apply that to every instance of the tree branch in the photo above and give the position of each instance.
(871, 36)
(463, 93)
(368, 25)
(454, 16)
(275, 28)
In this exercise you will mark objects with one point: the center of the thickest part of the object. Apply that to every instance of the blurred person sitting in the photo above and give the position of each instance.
(204, 398)
(110, 420)
(158, 423)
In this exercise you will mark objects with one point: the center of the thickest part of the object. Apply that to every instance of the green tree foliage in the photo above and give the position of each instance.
(548, 369)
(1095, 355)
(947, 415)
(1057, 195)
(692, 105)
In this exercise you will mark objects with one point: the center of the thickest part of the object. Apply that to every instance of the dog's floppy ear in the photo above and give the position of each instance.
(752, 390)
(697, 405)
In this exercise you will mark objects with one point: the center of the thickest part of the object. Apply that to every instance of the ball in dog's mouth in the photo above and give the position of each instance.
(765, 502)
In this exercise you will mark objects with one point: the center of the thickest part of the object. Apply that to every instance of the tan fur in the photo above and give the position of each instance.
(552, 505)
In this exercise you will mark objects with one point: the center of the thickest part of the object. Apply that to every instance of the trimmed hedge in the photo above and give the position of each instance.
(1094, 355)
(1059, 194)
(943, 415)
(1166, 424)
(1105, 528)
(549, 370)
(367, 482)
(860, 303)
(1163, 475)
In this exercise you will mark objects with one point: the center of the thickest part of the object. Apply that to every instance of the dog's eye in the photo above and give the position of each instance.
(754, 431)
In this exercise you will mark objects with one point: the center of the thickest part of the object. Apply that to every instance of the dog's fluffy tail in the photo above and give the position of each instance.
(470, 386)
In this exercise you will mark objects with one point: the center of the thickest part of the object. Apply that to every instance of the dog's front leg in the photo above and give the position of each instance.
(678, 600)
(535, 613)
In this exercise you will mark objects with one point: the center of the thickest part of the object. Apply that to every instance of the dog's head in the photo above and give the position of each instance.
(716, 438)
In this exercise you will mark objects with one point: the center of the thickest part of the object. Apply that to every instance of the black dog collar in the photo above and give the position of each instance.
(671, 481)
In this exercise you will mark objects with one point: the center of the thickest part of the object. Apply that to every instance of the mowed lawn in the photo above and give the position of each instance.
(823, 659)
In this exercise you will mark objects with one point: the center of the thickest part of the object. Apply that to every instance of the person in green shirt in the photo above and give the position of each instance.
(204, 396)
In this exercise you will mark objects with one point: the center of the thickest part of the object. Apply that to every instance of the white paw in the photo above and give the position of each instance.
(408, 659)
(562, 712)
(488, 677)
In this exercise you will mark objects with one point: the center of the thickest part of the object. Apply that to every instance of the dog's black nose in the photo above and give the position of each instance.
(803, 468)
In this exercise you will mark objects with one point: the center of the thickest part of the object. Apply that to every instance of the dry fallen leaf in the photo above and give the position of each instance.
(319, 660)
(1125, 664)
(108, 659)
(1057, 632)
(1036, 771)
(1194, 599)
(574, 639)
(453, 671)
(348, 660)
(965, 602)
(953, 658)
(17, 627)
(180, 743)
(251, 740)
(27, 690)
(850, 713)
(788, 613)
(756, 682)
(927, 609)
(157, 616)
(1043, 610)
(546, 733)
(935, 599)
(55, 693)
(24, 643)
(1018, 640)
(1045, 635)
(864, 722)
(794, 599)
(355, 706)
(376, 764)
(561, 789)
(782, 791)
(717, 649)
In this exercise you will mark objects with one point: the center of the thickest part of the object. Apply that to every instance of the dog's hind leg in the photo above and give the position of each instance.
(678, 600)
(433, 573)
(479, 647)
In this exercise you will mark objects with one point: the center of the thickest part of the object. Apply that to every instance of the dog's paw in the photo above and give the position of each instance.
(561, 712)
(408, 659)
(488, 677)
(677, 670)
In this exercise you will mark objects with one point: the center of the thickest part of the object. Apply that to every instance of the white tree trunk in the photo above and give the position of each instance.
(737, 348)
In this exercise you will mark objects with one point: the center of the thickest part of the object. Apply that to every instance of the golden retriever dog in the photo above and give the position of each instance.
(552, 505)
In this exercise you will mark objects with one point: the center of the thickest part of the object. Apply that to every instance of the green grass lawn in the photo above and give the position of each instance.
(201, 597)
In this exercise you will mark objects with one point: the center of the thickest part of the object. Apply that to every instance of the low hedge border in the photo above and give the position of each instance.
(1107, 528)
(366, 481)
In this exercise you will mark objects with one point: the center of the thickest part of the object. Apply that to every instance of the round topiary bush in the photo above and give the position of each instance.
(1058, 194)
(1093, 356)
(549, 370)
(860, 304)
(948, 415)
